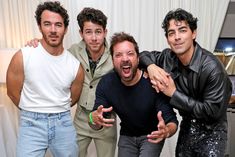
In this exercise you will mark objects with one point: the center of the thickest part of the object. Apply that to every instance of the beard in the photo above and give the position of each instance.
(126, 71)
(53, 39)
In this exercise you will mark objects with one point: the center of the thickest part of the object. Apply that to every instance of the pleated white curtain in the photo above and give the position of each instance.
(142, 19)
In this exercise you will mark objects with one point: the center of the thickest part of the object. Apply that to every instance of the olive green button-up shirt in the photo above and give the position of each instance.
(105, 65)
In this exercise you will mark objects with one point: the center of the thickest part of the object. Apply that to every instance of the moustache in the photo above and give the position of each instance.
(125, 63)
(53, 34)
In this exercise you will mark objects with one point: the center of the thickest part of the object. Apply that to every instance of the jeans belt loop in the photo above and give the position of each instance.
(35, 115)
(59, 115)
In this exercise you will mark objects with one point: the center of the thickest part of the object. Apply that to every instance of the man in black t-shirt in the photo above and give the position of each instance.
(146, 116)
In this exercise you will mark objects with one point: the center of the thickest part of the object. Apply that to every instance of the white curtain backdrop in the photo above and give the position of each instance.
(140, 18)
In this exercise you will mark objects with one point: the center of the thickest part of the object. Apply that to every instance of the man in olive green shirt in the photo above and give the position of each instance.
(93, 53)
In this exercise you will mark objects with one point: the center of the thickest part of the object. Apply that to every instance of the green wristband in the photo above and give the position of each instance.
(90, 118)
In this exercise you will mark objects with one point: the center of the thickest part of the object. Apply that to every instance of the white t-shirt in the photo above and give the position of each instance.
(47, 81)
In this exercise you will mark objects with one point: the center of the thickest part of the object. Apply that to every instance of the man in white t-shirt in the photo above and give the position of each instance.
(44, 82)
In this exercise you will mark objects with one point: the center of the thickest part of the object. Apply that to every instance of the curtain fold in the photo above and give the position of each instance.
(142, 19)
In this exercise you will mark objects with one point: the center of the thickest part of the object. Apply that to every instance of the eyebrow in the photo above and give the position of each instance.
(182, 27)
(52, 22)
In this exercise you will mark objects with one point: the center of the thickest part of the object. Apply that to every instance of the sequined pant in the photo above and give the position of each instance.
(198, 140)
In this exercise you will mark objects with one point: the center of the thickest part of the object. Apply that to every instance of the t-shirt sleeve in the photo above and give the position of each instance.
(168, 113)
(101, 94)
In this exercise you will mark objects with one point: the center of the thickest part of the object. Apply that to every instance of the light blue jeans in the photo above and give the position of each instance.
(138, 147)
(40, 131)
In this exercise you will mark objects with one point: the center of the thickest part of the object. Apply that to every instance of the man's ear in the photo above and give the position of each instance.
(81, 33)
(194, 34)
(40, 28)
(105, 32)
(66, 30)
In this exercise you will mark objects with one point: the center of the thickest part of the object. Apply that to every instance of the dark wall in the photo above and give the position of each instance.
(228, 29)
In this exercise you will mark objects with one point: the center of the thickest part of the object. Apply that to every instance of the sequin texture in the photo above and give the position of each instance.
(197, 139)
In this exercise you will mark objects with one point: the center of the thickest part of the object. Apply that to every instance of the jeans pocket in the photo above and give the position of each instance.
(26, 122)
(66, 122)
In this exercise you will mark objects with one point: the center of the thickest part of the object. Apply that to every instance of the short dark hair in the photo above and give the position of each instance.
(54, 7)
(179, 15)
(94, 15)
(121, 37)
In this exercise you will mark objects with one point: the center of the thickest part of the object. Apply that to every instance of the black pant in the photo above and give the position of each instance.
(197, 140)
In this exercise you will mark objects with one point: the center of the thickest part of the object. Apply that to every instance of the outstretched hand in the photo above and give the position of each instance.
(33, 43)
(162, 132)
(99, 119)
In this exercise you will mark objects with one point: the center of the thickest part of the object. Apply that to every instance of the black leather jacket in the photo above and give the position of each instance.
(203, 87)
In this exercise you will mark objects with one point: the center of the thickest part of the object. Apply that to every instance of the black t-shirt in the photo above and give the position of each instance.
(137, 106)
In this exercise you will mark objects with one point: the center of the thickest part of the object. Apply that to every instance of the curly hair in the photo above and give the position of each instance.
(121, 37)
(94, 15)
(53, 7)
(179, 15)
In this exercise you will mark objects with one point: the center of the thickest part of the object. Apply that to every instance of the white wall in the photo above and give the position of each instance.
(5, 57)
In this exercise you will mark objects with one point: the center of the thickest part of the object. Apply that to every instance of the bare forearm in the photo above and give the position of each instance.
(77, 85)
(14, 88)
(15, 99)
(74, 101)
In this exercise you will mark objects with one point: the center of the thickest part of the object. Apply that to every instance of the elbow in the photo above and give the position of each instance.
(10, 95)
(13, 98)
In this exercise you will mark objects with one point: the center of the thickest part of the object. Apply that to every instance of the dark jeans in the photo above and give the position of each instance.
(138, 147)
(197, 140)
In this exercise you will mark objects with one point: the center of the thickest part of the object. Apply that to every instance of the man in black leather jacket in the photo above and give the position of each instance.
(197, 84)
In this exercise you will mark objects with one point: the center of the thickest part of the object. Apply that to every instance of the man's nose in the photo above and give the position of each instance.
(94, 37)
(177, 36)
(125, 57)
(53, 28)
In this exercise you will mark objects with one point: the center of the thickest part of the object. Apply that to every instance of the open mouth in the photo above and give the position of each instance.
(126, 69)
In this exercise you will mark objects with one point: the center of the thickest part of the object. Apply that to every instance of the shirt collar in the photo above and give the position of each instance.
(194, 64)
